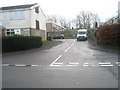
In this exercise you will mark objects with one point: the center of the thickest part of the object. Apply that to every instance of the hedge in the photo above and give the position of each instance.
(17, 43)
(109, 34)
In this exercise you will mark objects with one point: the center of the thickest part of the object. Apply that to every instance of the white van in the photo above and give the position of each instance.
(82, 34)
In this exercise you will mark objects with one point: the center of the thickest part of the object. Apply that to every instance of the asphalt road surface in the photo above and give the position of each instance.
(70, 64)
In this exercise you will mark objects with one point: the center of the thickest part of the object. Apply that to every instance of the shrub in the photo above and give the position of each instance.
(109, 34)
(16, 43)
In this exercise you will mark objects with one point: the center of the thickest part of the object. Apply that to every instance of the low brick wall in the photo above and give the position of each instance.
(66, 33)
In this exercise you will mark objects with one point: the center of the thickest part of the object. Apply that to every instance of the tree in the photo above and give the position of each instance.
(53, 18)
(86, 19)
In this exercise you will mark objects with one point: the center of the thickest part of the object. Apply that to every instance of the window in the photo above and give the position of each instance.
(26, 32)
(37, 25)
(10, 32)
(37, 9)
(17, 15)
(17, 31)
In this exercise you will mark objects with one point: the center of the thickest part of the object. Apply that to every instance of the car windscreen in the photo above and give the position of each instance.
(81, 32)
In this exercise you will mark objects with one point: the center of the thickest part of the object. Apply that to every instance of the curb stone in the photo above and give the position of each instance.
(100, 48)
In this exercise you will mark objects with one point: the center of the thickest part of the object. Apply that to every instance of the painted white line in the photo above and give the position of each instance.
(55, 65)
(85, 65)
(20, 65)
(56, 60)
(58, 63)
(106, 65)
(72, 44)
(73, 63)
(5, 64)
(36, 65)
(117, 62)
(93, 65)
(74, 40)
(67, 49)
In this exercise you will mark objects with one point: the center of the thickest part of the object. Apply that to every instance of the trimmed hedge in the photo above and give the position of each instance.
(17, 43)
(109, 34)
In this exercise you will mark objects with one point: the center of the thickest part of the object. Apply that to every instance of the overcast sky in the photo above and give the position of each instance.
(70, 8)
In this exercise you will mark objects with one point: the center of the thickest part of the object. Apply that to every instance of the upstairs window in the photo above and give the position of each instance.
(37, 25)
(17, 15)
(37, 9)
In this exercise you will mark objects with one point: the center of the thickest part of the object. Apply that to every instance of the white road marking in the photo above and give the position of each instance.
(67, 49)
(59, 63)
(36, 65)
(106, 65)
(117, 62)
(74, 40)
(72, 44)
(55, 60)
(85, 65)
(20, 65)
(74, 63)
(5, 64)
(71, 65)
(55, 65)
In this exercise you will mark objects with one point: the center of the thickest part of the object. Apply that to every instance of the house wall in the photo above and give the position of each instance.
(40, 17)
(53, 27)
(18, 23)
(43, 34)
(49, 27)
(28, 22)
(42, 23)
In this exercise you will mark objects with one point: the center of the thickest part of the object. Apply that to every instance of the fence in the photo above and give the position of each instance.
(113, 20)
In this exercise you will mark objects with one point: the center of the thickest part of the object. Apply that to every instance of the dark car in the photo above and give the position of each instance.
(58, 36)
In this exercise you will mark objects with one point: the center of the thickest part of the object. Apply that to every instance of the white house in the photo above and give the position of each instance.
(27, 20)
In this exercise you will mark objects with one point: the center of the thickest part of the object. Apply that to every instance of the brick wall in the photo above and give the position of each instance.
(66, 33)
(43, 35)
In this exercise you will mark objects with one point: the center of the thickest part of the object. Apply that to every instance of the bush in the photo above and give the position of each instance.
(109, 34)
(16, 43)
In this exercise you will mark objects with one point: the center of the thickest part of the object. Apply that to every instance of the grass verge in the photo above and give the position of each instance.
(47, 42)
(70, 37)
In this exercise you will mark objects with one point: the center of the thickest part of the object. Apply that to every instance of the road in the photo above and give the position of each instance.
(71, 64)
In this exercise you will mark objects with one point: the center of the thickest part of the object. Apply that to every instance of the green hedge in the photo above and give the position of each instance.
(109, 34)
(17, 43)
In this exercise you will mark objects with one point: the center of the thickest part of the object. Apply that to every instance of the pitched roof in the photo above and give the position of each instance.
(18, 6)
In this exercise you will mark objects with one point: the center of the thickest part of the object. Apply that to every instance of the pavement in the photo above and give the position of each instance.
(69, 64)
(101, 48)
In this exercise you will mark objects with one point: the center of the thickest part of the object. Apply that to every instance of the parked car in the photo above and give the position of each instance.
(82, 35)
(61, 36)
